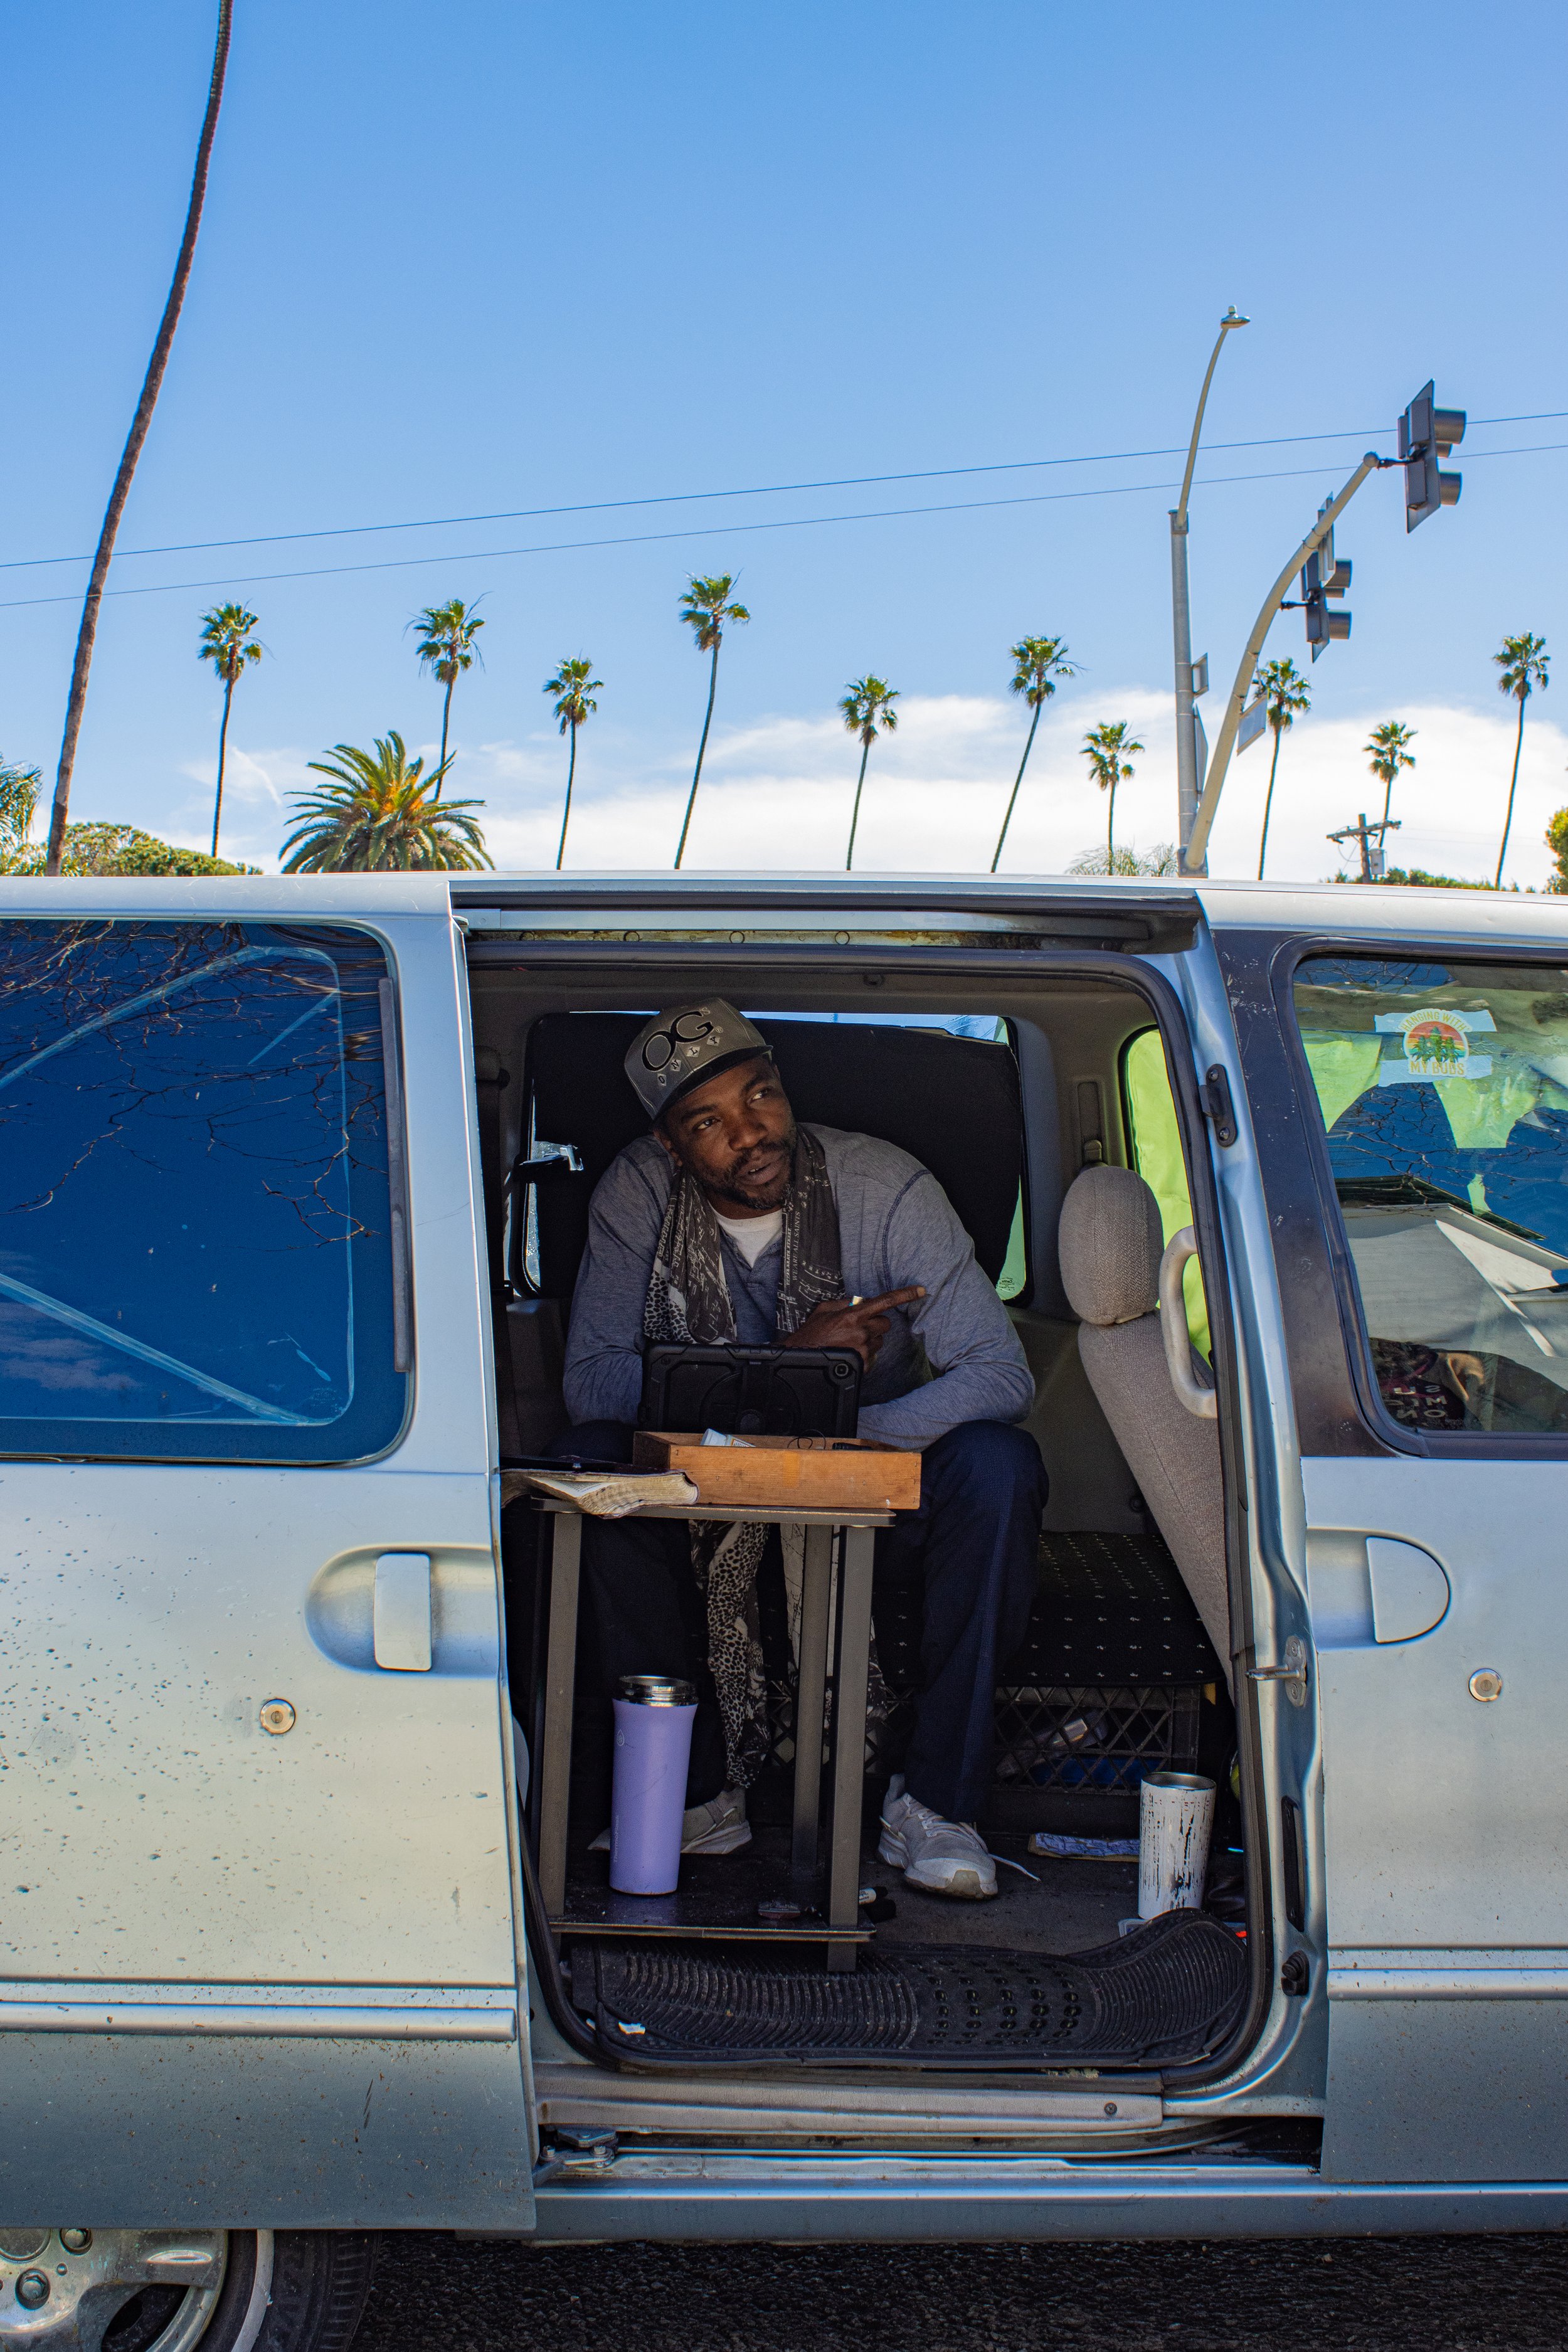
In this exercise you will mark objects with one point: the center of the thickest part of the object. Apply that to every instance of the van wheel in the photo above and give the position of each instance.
(172, 2289)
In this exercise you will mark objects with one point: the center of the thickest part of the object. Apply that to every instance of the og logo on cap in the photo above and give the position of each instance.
(679, 1046)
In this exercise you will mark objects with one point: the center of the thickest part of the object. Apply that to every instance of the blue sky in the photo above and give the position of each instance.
(524, 255)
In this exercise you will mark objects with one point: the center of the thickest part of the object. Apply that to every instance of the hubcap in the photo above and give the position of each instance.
(61, 2289)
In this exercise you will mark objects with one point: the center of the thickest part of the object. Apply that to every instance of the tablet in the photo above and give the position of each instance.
(752, 1392)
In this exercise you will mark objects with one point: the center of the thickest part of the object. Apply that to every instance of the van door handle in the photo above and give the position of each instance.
(401, 1611)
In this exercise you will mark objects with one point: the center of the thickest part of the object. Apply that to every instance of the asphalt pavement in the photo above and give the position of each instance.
(1381, 2295)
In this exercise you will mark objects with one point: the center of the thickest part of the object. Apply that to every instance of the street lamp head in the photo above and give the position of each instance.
(1234, 318)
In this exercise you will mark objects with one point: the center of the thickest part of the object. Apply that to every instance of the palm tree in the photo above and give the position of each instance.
(1287, 692)
(1387, 748)
(574, 687)
(708, 607)
(77, 700)
(378, 814)
(1523, 662)
(223, 642)
(447, 634)
(1037, 663)
(1106, 748)
(18, 805)
(868, 707)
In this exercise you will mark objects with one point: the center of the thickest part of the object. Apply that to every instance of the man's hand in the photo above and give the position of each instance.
(859, 1323)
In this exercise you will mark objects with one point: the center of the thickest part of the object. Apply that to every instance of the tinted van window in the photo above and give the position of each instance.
(1443, 1089)
(195, 1257)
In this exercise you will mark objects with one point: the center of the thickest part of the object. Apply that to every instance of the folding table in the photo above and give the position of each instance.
(852, 1652)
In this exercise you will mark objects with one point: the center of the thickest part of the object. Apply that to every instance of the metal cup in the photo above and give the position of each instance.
(653, 1716)
(1175, 1823)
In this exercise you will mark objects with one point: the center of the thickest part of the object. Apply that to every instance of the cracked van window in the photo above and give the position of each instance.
(195, 1257)
(1443, 1089)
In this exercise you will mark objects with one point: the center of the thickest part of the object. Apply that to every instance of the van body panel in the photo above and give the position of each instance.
(183, 1852)
(913, 2200)
(161, 2130)
(1448, 1880)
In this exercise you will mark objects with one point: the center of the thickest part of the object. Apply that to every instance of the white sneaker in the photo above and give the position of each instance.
(718, 1827)
(943, 1857)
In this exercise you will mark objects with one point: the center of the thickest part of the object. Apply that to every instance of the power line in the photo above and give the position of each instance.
(757, 490)
(727, 530)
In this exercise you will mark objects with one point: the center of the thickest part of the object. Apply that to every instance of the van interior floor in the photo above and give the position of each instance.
(1065, 1906)
(1170, 1991)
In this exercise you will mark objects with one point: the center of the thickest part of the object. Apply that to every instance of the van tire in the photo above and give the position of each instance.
(320, 2278)
(283, 2291)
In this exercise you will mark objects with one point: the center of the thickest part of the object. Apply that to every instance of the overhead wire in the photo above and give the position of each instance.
(755, 490)
(727, 530)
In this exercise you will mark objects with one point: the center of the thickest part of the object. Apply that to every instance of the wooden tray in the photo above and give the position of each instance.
(820, 1473)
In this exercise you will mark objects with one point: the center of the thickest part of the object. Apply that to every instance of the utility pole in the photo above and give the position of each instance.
(1189, 768)
(1373, 864)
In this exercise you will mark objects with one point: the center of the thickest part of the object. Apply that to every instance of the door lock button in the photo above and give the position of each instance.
(277, 1716)
(1486, 1684)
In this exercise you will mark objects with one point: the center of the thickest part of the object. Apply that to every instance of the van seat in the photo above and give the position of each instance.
(1110, 1243)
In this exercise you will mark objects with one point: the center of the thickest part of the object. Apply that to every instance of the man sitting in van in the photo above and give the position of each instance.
(727, 1222)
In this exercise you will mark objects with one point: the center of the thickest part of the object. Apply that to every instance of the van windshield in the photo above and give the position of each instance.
(1443, 1089)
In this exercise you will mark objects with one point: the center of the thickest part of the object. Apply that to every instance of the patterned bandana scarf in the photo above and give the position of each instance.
(689, 1304)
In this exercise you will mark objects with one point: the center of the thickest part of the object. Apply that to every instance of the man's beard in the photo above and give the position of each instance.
(730, 1188)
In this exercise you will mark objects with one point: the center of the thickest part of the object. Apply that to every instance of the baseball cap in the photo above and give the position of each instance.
(690, 1042)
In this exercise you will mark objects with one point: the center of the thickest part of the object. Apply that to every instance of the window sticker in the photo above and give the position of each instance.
(1436, 1044)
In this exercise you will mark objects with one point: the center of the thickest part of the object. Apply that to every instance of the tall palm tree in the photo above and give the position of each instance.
(708, 607)
(573, 685)
(1387, 748)
(1523, 662)
(223, 642)
(76, 701)
(379, 813)
(1107, 748)
(868, 707)
(447, 634)
(1037, 663)
(1287, 692)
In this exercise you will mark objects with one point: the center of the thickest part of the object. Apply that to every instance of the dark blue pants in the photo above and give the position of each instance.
(969, 1552)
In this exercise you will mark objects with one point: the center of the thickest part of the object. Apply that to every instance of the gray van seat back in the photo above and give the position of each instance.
(952, 1102)
(1110, 1246)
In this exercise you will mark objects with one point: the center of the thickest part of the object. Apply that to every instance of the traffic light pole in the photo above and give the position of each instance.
(1194, 861)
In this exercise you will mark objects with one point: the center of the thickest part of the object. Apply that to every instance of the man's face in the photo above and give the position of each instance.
(736, 1134)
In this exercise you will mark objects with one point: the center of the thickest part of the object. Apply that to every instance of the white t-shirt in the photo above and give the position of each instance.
(753, 1235)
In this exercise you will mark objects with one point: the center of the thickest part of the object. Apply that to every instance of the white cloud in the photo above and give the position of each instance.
(1451, 805)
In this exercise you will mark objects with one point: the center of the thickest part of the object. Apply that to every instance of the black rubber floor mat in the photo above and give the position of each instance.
(1169, 1991)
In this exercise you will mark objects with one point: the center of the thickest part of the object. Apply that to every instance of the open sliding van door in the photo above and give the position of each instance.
(1412, 1113)
(259, 1962)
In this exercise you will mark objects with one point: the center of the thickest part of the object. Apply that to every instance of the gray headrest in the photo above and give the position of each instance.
(1111, 1243)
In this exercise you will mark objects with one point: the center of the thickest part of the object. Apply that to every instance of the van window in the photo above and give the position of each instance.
(1443, 1090)
(1154, 1149)
(195, 1257)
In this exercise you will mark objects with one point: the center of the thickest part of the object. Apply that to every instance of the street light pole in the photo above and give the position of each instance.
(1189, 783)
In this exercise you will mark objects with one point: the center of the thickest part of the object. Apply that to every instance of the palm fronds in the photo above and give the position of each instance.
(378, 814)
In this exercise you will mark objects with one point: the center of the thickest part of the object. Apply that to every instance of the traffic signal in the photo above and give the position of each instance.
(1322, 578)
(1427, 433)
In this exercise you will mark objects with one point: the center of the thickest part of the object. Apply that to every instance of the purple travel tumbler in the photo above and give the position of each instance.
(648, 1800)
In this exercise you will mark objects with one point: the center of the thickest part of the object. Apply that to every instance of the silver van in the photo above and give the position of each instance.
(301, 1942)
